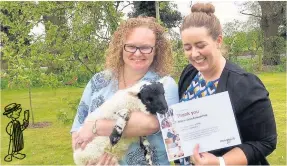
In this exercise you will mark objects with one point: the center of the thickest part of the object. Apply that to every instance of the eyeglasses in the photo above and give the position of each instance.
(133, 49)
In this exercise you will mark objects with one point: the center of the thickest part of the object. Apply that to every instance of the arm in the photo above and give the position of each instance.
(256, 124)
(235, 155)
(141, 124)
(9, 128)
(82, 112)
(25, 120)
(255, 119)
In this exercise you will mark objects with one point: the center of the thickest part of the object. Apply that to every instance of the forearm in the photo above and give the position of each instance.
(139, 124)
(250, 153)
(235, 157)
(105, 127)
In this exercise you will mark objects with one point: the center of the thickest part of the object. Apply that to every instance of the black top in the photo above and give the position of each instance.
(252, 108)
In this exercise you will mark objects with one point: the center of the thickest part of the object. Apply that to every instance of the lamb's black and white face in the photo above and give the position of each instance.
(152, 96)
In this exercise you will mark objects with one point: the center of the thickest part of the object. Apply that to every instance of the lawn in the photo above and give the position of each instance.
(51, 145)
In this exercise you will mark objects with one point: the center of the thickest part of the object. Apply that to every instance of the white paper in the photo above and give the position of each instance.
(207, 121)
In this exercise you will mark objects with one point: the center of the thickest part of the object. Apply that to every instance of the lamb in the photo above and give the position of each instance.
(144, 96)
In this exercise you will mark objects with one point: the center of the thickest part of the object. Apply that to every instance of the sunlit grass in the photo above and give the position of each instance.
(276, 85)
(50, 145)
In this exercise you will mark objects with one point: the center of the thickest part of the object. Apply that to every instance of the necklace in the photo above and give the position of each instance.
(125, 85)
(124, 81)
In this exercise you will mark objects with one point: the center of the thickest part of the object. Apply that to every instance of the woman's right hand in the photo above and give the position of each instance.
(105, 159)
(74, 137)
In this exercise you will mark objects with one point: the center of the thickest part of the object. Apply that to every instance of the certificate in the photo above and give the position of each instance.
(207, 121)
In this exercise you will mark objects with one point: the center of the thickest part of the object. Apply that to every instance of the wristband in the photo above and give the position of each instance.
(94, 130)
(221, 161)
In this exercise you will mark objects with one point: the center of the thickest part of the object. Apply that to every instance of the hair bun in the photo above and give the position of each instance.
(203, 7)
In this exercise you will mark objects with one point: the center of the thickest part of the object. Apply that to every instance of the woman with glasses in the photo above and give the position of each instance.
(139, 50)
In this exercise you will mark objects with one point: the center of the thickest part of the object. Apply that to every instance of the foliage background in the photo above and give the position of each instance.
(56, 65)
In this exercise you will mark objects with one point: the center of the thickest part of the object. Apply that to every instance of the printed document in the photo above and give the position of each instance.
(207, 121)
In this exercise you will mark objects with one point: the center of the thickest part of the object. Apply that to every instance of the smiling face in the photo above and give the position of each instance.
(201, 49)
(139, 60)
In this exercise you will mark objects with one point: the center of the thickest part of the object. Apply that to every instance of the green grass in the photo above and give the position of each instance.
(276, 85)
(52, 145)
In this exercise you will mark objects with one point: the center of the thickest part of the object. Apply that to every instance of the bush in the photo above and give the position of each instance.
(282, 66)
(4, 83)
(67, 115)
(248, 64)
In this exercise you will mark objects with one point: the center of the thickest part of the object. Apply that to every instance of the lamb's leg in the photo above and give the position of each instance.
(119, 127)
(144, 144)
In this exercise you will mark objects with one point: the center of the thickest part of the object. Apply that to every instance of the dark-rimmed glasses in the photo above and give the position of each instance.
(133, 49)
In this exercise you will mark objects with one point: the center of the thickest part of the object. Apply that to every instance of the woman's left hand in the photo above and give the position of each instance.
(204, 158)
(85, 134)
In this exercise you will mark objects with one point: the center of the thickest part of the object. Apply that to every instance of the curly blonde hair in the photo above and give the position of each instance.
(163, 59)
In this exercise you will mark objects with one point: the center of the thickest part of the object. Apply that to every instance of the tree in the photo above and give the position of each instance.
(77, 35)
(75, 38)
(254, 41)
(7, 26)
(169, 16)
(271, 17)
(272, 14)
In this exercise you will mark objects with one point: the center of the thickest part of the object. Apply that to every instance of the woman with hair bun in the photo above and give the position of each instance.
(209, 73)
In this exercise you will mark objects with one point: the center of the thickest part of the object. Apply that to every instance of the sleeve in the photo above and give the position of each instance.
(83, 108)
(255, 118)
(171, 91)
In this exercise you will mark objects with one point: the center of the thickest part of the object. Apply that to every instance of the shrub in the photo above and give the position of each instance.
(67, 115)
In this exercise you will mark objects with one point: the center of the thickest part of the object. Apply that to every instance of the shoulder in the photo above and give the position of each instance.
(100, 80)
(246, 89)
(240, 78)
(151, 76)
(186, 77)
(187, 70)
(102, 76)
(188, 73)
(234, 68)
(248, 83)
(169, 82)
(171, 90)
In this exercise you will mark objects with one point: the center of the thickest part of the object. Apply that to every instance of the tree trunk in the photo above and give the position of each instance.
(157, 10)
(30, 98)
(272, 15)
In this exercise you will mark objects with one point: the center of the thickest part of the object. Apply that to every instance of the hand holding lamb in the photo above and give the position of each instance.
(145, 97)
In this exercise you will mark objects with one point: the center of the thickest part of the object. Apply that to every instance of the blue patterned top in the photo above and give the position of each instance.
(197, 89)
(101, 87)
